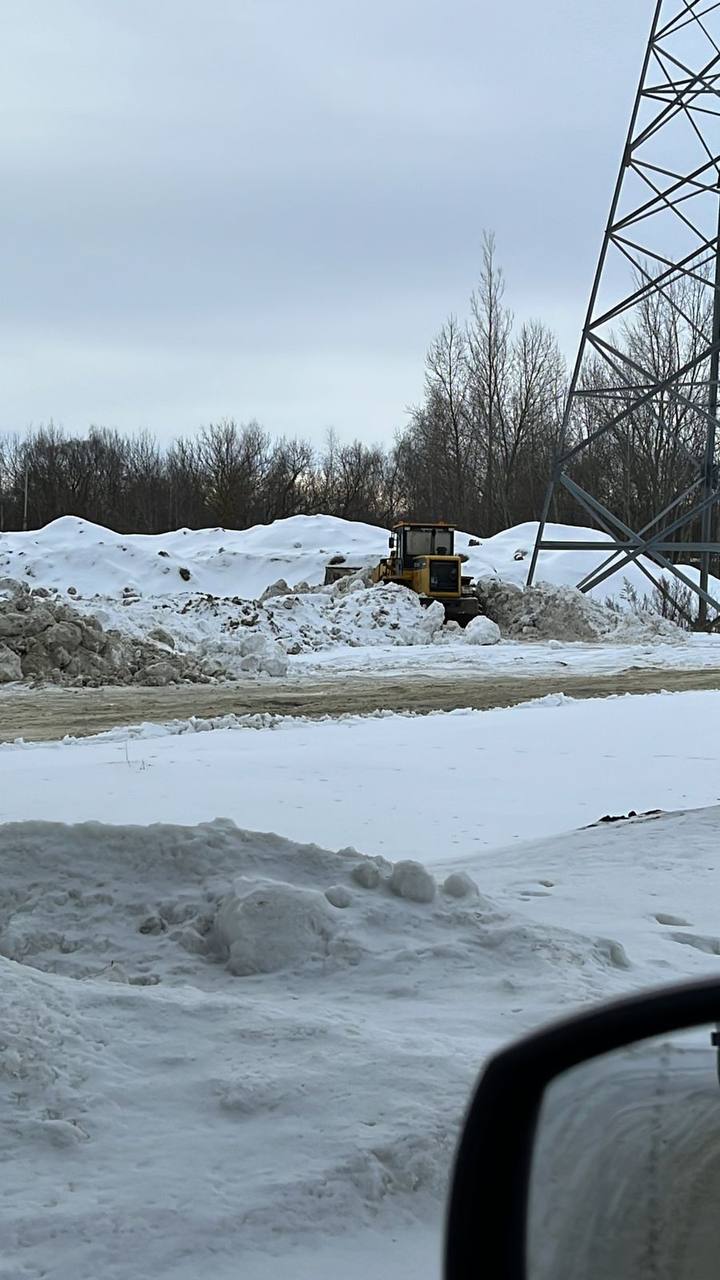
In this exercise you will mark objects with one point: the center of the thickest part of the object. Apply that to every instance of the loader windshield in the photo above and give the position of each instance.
(429, 542)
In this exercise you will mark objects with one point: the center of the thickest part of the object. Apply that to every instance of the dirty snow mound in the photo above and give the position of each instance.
(42, 638)
(239, 635)
(351, 613)
(548, 612)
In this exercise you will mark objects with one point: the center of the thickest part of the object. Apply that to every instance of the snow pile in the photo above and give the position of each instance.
(507, 555)
(288, 621)
(548, 612)
(482, 631)
(226, 598)
(107, 931)
(44, 639)
(86, 560)
(354, 615)
(141, 905)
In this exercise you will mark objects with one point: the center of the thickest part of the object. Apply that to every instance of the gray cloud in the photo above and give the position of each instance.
(267, 208)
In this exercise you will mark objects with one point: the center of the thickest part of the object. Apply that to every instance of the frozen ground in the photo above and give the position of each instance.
(207, 1065)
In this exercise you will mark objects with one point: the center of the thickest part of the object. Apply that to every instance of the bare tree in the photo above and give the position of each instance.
(489, 338)
(478, 448)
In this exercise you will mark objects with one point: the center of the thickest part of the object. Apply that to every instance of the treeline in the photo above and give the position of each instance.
(230, 474)
(476, 451)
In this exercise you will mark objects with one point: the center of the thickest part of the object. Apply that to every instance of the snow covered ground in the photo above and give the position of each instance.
(248, 1054)
(433, 787)
(511, 658)
(208, 1063)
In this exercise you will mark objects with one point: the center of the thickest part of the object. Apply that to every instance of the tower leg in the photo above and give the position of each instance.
(541, 529)
(708, 518)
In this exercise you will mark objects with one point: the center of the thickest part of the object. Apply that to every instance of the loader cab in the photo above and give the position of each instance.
(423, 559)
(412, 542)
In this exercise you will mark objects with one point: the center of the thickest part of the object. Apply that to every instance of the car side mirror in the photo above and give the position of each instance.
(592, 1149)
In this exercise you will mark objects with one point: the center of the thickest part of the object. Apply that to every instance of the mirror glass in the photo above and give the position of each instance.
(625, 1176)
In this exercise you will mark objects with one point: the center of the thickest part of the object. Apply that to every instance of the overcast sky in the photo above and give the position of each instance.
(266, 208)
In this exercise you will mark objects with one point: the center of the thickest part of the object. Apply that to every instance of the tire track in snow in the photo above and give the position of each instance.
(46, 715)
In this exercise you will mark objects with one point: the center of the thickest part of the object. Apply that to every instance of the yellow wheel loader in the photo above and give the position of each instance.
(422, 558)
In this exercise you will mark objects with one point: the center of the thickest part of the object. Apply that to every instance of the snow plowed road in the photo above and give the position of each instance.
(42, 715)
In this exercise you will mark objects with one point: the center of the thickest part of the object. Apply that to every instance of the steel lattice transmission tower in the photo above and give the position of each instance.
(660, 254)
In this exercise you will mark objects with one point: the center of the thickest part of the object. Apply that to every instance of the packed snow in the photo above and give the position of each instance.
(253, 601)
(250, 1053)
(86, 559)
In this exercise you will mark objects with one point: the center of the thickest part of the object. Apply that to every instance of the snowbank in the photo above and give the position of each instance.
(135, 1032)
(142, 905)
(84, 559)
(507, 556)
(548, 612)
